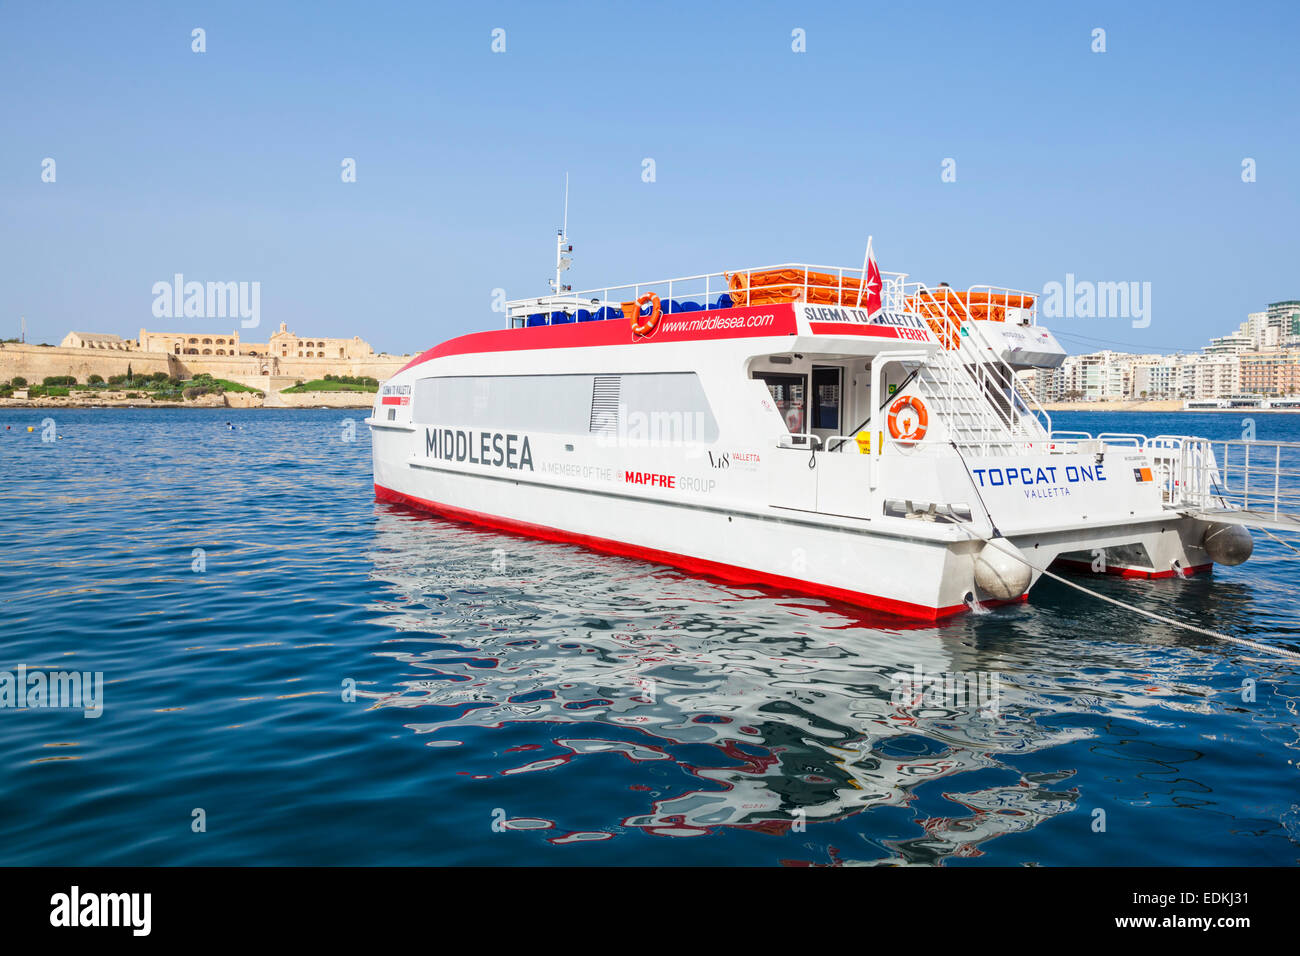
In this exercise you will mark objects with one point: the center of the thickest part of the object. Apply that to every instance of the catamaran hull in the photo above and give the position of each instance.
(906, 577)
(897, 574)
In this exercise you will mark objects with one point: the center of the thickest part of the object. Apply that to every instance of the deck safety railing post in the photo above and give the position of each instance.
(1245, 484)
(1227, 471)
(1277, 481)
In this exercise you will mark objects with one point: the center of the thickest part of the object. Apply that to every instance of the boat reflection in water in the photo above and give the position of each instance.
(799, 702)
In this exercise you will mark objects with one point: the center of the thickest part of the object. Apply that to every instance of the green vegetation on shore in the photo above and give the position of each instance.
(335, 383)
(157, 387)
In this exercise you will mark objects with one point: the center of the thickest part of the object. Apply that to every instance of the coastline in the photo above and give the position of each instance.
(339, 399)
(278, 400)
(1136, 405)
(1149, 405)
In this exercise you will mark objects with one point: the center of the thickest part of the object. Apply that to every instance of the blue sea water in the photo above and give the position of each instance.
(525, 702)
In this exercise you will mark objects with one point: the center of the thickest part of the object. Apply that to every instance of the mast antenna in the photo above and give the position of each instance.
(563, 248)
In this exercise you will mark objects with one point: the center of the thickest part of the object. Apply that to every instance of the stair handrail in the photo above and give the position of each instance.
(996, 425)
(973, 343)
(991, 357)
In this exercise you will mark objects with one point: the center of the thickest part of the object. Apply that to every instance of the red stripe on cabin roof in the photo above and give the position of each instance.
(672, 328)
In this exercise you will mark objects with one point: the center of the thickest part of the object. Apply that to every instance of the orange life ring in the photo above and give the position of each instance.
(643, 324)
(922, 418)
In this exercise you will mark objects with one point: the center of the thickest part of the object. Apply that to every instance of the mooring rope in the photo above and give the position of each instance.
(1218, 635)
(1283, 543)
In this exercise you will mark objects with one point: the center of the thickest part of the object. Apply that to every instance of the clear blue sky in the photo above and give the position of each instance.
(226, 165)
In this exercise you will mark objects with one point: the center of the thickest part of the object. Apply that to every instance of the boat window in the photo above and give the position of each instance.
(559, 404)
(826, 397)
(789, 395)
(669, 407)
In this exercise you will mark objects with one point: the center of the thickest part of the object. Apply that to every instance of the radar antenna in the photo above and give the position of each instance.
(563, 248)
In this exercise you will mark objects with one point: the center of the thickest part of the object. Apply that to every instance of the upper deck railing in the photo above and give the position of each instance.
(786, 282)
(1252, 482)
(757, 285)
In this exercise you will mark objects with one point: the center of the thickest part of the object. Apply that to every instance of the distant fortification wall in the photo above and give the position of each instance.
(241, 366)
(36, 362)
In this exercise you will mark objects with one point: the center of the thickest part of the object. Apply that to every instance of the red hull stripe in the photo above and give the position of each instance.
(1131, 572)
(678, 327)
(726, 572)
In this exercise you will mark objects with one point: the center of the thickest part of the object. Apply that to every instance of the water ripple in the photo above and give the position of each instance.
(328, 680)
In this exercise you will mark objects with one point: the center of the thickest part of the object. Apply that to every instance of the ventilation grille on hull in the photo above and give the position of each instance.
(604, 404)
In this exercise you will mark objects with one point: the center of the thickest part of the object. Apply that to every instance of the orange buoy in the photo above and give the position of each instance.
(914, 432)
(643, 324)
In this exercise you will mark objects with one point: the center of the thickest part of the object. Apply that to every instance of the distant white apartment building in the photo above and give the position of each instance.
(1285, 318)
(1116, 376)
(1212, 376)
(1257, 329)
(1157, 376)
(1232, 344)
(1276, 327)
(1097, 377)
(1261, 358)
(1045, 384)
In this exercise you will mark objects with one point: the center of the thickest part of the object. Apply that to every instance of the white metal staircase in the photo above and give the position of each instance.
(973, 390)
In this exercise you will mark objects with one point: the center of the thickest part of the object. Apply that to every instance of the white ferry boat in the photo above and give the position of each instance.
(835, 431)
(1243, 402)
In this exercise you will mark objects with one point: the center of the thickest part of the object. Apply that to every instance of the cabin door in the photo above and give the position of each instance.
(792, 484)
(827, 400)
(790, 395)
